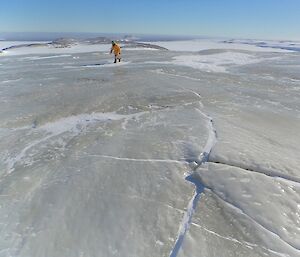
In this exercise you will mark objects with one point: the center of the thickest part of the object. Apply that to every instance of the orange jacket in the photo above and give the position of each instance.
(116, 49)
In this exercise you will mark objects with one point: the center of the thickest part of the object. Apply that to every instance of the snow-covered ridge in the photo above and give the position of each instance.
(69, 45)
(7, 44)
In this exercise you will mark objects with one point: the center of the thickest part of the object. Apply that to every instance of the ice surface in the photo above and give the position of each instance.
(165, 154)
(235, 186)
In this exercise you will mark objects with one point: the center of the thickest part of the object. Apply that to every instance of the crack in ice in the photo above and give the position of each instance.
(269, 173)
(199, 187)
(234, 240)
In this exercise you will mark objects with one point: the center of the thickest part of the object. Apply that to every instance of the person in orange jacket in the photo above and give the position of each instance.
(117, 51)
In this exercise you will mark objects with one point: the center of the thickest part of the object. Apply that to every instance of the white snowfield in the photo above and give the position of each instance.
(188, 152)
(205, 44)
(217, 56)
(282, 44)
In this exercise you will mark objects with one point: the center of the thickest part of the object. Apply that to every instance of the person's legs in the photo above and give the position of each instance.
(119, 57)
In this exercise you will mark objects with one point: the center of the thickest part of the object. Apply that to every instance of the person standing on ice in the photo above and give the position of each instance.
(117, 51)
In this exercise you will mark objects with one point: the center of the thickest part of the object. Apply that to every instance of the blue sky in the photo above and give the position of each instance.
(277, 19)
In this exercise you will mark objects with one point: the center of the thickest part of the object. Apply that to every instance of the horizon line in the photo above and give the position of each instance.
(143, 34)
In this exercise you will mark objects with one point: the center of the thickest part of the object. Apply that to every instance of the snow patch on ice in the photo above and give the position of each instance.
(33, 58)
(136, 159)
(73, 124)
(219, 62)
(98, 65)
(141, 49)
(215, 62)
(11, 80)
